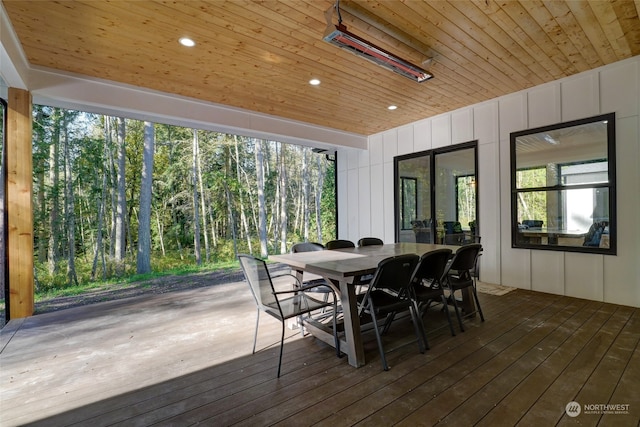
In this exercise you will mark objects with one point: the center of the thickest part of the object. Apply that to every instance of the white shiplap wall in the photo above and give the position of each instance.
(365, 181)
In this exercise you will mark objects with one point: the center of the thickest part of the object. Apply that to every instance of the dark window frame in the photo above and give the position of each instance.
(432, 154)
(560, 187)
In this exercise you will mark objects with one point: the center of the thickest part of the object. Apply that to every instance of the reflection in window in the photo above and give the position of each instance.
(562, 181)
(409, 203)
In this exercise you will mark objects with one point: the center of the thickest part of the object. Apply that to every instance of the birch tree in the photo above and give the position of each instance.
(196, 216)
(54, 194)
(121, 198)
(262, 207)
(144, 216)
(283, 198)
(70, 217)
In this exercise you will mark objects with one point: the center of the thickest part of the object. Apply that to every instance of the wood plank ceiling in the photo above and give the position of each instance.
(260, 55)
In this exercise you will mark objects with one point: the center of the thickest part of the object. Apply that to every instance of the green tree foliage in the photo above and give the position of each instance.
(228, 210)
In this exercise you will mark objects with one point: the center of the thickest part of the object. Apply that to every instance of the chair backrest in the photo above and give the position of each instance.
(370, 241)
(394, 273)
(257, 275)
(339, 244)
(464, 260)
(431, 266)
(306, 247)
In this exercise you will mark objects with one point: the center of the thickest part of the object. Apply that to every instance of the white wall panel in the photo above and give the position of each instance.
(547, 271)
(462, 125)
(353, 205)
(441, 131)
(405, 140)
(584, 276)
(488, 214)
(363, 158)
(485, 123)
(515, 264)
(364, 202)
(422, 136)
(619, 88)
(343, 160)
(376, 149)
(513, 114)
(622, 272)
(580, 97)
(544, 105)
(377, 201)
(390, 143)
(353, 159)
(389, 215)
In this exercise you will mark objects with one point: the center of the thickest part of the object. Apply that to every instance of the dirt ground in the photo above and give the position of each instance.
(157, 285)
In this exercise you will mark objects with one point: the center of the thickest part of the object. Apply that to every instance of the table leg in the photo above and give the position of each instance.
(355, 349)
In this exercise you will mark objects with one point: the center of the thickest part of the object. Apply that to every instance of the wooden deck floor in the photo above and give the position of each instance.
(184, 358)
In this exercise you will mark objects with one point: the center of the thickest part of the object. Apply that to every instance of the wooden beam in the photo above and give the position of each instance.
(20, 207)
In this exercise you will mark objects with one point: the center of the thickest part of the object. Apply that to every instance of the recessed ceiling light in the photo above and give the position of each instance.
(186, 41)
(392, 107)
(314, 82)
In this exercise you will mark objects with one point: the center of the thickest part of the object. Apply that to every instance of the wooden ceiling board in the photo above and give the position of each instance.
(260, 55)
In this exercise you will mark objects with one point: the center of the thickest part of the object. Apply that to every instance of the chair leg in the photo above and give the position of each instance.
(379, 338)
(255, 334)
(387, 322)
(419, 327)
(445, 306)
(281, 348)
(455, 305)
(475, 296)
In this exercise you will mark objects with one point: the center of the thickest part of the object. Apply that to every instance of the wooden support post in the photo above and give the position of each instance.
(20, 206)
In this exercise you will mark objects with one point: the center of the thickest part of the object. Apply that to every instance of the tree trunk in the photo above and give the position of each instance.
(54, 197)
(262, 207)
(196, 216)
(70, 217)
(99, 250)
(121, 203)
(319, 189)
(207, 251)
(305, 194)
(283, 199)
(160, 233)
(144, 216)
(243, 217)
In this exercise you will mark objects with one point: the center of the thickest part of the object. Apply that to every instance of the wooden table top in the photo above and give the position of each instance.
(344, 264)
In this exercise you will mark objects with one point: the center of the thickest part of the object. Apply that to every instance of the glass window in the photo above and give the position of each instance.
(563, 186)
(445, 202)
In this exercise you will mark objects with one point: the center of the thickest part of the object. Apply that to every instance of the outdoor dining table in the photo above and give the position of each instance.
(342, 269)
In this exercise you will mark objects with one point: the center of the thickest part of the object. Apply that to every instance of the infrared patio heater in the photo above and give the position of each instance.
(338, 35)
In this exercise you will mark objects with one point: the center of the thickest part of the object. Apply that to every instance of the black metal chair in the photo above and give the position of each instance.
(370, 241)
(339, 244)
(458, 276)
(282, 305)
(426, 282)
(388, 294)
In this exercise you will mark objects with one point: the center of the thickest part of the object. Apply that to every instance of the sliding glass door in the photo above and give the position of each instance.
(436, 196)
